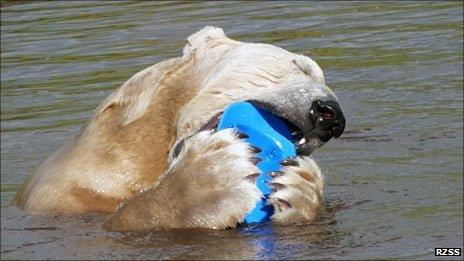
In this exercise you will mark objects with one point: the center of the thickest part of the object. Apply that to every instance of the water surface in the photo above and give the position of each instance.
(394, 179)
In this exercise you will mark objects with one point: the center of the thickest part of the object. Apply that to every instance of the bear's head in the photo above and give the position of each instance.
(287, 84)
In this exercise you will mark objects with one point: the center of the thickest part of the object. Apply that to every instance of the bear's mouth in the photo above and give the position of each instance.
(298, 138)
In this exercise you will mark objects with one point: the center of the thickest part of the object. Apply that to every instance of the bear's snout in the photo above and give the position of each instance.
(328, 119)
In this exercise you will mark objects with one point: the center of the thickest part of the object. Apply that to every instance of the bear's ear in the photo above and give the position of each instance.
(204, 36)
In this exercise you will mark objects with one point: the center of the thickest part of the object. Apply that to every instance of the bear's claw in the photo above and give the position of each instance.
(290, 161)
(211, 185)
(296, 190)
(253, 177)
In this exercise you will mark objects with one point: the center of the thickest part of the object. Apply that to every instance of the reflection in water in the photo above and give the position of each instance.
(393, 180)
(261, 241)
(264, 239)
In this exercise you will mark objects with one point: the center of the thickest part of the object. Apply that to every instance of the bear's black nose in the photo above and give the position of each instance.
(328, 119)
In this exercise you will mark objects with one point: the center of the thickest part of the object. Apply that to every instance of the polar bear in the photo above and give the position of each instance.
(151, 157)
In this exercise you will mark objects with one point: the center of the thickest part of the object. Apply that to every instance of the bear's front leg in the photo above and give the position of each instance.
(210, 184)
(297, 191)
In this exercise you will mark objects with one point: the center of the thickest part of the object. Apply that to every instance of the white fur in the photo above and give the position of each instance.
(214, 69)
(202, 37)
(233, 70)
(310, 67)
(301, 194)
(137, 93)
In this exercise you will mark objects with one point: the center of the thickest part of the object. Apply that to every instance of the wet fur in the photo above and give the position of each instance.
(196, 191)
(121, 156)
(212, 184)
(298, 192)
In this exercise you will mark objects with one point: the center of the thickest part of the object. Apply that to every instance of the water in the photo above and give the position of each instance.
(394, 179)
